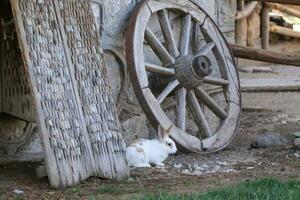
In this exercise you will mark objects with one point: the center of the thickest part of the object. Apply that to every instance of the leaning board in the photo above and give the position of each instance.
(77, 118)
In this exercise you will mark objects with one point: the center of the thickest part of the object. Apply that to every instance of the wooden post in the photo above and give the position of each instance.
(265, 23)
(250, 30)
(241, 27)
(247, 10)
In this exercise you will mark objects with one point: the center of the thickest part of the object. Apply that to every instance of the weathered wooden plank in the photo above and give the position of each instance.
(16, 98)
(71, 91)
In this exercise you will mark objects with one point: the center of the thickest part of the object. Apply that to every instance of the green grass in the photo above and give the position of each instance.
(267, 189)
(110, 189)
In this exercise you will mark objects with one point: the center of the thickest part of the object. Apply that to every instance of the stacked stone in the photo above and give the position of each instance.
(58, 109)
(77, 118)
(94, 89)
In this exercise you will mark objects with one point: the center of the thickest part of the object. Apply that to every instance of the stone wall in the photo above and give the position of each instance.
(19, 139)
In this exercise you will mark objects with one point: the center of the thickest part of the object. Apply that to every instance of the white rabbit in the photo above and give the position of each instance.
(142, 153)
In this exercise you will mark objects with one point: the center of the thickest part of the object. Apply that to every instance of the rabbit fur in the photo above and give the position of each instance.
(143, 153)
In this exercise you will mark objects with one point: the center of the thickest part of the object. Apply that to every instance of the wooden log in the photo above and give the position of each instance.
(285, 2)
(285, 9)
(247, 11)
(284, 31)
(264, 55)
(251, 30)
(241, 27)
(265, 22)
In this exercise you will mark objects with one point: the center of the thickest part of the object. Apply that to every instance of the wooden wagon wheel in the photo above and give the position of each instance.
(177, 46)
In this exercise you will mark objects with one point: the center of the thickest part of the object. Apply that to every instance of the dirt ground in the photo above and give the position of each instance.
(263, 112)
(235, 164)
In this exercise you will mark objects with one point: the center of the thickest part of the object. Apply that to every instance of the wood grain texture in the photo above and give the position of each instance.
(265, 55)
(265, 26)
(16, 98)
(196, 33)
(76, 115)
(285, 2)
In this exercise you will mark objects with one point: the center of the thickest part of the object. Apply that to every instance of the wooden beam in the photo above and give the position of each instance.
(285, 2)
(284, 31)
(265, 55)
(285, 9)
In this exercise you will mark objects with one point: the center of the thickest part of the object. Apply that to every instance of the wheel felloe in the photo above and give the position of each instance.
(191, 59)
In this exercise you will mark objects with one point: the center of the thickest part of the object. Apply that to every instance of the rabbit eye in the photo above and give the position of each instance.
(169, 144)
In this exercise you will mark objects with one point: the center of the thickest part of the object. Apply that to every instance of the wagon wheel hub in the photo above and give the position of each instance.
(177, 54)
(191, 70)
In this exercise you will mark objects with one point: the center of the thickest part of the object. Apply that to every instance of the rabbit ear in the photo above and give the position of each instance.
(162, 133)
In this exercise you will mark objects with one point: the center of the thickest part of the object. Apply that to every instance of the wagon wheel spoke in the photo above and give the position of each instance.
(208, 32)
(216, 81)
(159, 69)
(189, 52)
(185, 35)
(167, 33)
(198, 114)
(170, 87)
(196, 41)
(181, 108)
(210, 103)
(159, 49)
(206, 49)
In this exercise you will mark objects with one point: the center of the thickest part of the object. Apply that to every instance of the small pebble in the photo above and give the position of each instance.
(18, 192)
(297, 142)
(177, 166)
(297, 155)
(250, 168)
